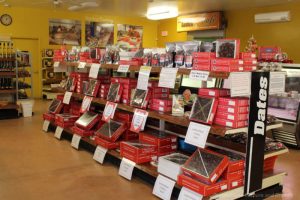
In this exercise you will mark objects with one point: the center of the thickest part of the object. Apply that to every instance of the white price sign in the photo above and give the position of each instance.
(75, 141)
(46, 125)
(187, 194)
(240, 84)
(163, 187)
(81, 65)
(197, 134)
(123, 68)
(109, 111)
(139, 120)
(277, 82)
(58, 132)
(56, 64)
(99, 154)
(86, 103)
(67, 97)
(167, 77)
(94, 70)
(143, 78)
(126, 168)
(199, 75)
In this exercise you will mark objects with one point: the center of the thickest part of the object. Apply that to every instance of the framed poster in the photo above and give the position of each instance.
(64, 31)
(99, 34)
(129, 36)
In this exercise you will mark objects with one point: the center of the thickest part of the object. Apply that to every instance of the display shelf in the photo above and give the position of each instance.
(276, 153)
(8, 91)
(2, 73)
(51, 81)
(9, 106)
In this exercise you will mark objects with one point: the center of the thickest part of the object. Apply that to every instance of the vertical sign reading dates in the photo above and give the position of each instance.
(257, 131)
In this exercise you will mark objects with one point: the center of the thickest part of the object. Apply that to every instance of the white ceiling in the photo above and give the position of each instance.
(139, 7)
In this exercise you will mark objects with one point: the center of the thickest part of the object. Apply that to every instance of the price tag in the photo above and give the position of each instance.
(56, 64)
(187, 194)
(46, 125)
(199, 75)
(197, 134)
(240, 84)
(167, 77)
(99, 154)
(81, 65)
(75, 141)
(277, 82)
(139, 120)
(126, 168)
(86, 103)
(94, 70)
(109, 111)
(143, 78)
(163, 187)
(67, 97)
(123, 68)
(58, 132)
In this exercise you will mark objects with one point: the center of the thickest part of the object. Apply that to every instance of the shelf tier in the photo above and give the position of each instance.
(2, 73)
(182, 121)
(9, 106)
(8, 91)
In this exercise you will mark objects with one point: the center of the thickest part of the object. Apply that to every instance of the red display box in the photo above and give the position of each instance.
(158, 138)
(131, 62)
(234, 109)
(235, 183)
(229, 116)
(268, 52)
(167, 148)
(250, 68)
(204, 55)
(269, 163)
(111, 131)
(66, 117)
(124, 117)
(115, 92)
(64, 124)
(250, 62)
(232, 68)
(233, 175)
(56, 106)
(138, 148)
(129, 135)
(161, 108)
(227, 62)
(105, 86)
(158, 96)
(202, 67)
(88, 120)
(106, 144)
(129, 87)
(82, 132)
(247, 55)
(128, 81)
(200, 61)
(152, 84)
(49, 116)
(200, 187)
(159, 90)
(230, 101)
(137, 159)
(210, 165)
(213, 92)
(231, 123)
(162, 102)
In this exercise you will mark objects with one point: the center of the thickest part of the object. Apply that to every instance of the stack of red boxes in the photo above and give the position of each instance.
(232, 112)
(268, 53)
(213, 92)
(84, 56)
(250, 61)
(103, 92)
(269, 163)
(227, 65)
(81, 78)
(65, 120)
(161, 105)
(156, 92)
(128, 85)
(60, 54)
(84, 126)
(202, 60)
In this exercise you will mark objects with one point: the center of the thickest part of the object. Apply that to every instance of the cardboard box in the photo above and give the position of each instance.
(204, 55)
(66, 117)
(106, 144)
(231, 123)
(227, 62)
(82, 132)
(232, 68)
(138, 148)
(56, 106)
(213, 92)
(202, 67)
(247, 55)
(228, 116)
(158, 138)
(111, 131)
(234, 109)
(232, 101)
(49, 116)
(234, 175)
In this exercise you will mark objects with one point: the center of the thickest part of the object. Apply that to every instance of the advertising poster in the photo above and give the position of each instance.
(129, 36)
(99, 34)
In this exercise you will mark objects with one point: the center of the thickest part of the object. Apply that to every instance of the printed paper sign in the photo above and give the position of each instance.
(58, 132)
(67, 97)
(46, 125)
(75, 141)
(199, 75)
(126, 168)
(81, 65)
(123, 68)
(197, 134)
(187, 194)
(139, 120)
(99, 154)
(240, 84)
(94, 70)
(277, 82)
(163, 187)
(167, 77)
(86, 103)
(109, 111)
(143, 78)
(56, 64)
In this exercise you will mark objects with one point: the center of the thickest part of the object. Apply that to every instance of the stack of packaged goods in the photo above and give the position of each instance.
(60, 55)
(227, 65)
(115, 91)
(55, 107)
(82, 81)
(213, 92)
(202, 60)
(159, 95)
(161, 105)
(65, 120)
(84, 54)
(92, 87)
(103, 92)
(249, 60)
(128, 84)
(86, 124)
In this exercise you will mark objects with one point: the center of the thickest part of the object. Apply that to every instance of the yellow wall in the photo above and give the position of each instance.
(33, 23)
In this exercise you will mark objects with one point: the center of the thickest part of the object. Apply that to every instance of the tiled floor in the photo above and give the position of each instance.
(34, 165)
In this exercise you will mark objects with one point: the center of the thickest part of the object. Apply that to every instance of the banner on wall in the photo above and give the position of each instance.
(64, 31)
(129, 36)
(99, 34)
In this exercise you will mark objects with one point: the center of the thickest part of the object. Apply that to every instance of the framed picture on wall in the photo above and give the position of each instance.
(64, 31)
(99, 34)
(129, 36)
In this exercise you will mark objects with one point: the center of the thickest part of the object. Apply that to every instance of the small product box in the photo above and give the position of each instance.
(234, 109)
(231, 123)
(137, 159)
(233, 68)
(170, 165)
(250, 62)
(159, 90)
(227, 48)
(140, 98)
(70, 84)
(82, 132)
(93, 88)
(162, 102)
(66, 117)
(87, 121)
(157, 138)
(213, 92)
(138, 148)
(235, 183)
(111, 130)
(106, 144)
(199, 61)
(250, 68)
(247, 55)
(49, 116)
(167, 149)
(230, 101)
(229, 116)
(64, 124)
(202, 67)
(233, 175)
(55, 106)
(227, 62)
(115, 92)
(152, 84)
(128, 81)
(158, 96)
(161, 108)
(204, 55)
(205, 165)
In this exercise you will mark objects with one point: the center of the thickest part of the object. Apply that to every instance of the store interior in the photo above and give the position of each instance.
(149, 99)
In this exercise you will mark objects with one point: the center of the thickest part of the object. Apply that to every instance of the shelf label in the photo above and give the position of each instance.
(94, 70)
(139, 120)
(240, 84)
(67, 97)
(123, 68)
(126, 168)
(99, 154)
(75, 141)
(109, 111)
(199, 75)
(143, 77)
(56, 64)
(81, 65)
(277, 82)
(46, 125)
(197, 134)
(86, 103)
(163, 187)
(187, 194)
(167, 77)
(58, 132)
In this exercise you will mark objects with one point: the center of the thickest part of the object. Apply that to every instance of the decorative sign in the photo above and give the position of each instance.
(123, 68)
(126, 168)
(75, 141)
(46, 125)
(201, 21)
(81, 65)
(99, 154)
(199, 75)
(187, 194)
(58, 132)
(94, 70)
(143, 78)
(163, 187)
(67, 98)
(197, 134)
(109, 111)
(167, 77)
(139, 120)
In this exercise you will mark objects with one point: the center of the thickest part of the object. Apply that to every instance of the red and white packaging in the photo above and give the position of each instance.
(231, 123)
(233, 175)
(247, 55)
(228, 116)
(233, 109)
(250, 62)
(62, 118)
(226, 62)
(90, 124)
(82, 132)
(137, 148)
(233, 68)
(137, 159)
(200, 61)
(157, 138)
(159, 90)
(235, 165)
(234, 42)
(158, 96)
(162, 102)
(161, 108)
(106, 144)
(231, 101)
(268, 52)
(202, 67)
(204, 55)
(113, 135)
(125, 101)
(213, 92)
(129, 135)
(235, 183)
(64, 124)
(200, 187)
(166, 149)
(105, 86)
(152, 84)
(49, 116)
(250, 68)
(128, 81)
